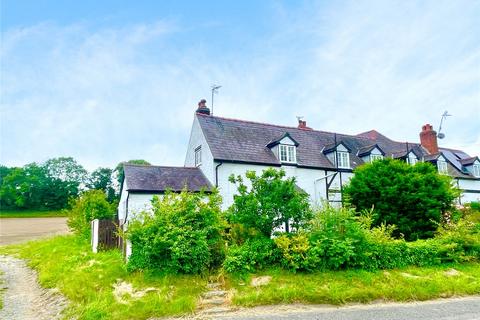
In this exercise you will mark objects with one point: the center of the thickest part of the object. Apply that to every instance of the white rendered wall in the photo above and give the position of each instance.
(311, 181)
(198, 139)
(469, 184)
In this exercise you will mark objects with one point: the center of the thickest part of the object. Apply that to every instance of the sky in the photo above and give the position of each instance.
(109, 81)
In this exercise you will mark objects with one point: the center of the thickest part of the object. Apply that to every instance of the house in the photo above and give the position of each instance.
(322, 162)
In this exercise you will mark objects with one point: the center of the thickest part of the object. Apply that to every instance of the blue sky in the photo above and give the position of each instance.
(108, 81)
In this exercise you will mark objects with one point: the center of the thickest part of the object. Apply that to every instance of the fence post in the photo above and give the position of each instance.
(94, 236)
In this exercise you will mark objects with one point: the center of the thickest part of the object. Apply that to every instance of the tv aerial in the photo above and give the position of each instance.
(440, 134)
(215, 88)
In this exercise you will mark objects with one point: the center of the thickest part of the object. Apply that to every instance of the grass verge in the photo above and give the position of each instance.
(340, 287)
(87, 280)
(30, 214)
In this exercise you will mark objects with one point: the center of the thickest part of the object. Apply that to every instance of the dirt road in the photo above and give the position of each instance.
(15, 230)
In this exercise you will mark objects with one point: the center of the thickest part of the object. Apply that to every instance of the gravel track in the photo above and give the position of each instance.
(23, 298)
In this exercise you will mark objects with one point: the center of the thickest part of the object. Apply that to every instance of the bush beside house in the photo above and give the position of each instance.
(187, 232)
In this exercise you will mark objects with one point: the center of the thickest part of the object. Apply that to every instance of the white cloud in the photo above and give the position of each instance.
(112, 94)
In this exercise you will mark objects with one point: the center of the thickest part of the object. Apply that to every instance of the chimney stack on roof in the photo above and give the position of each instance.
(303, 125)
(202, 107)
(428, 139)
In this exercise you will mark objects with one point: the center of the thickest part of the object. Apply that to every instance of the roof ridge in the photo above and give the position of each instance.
(156, 166)
(287, 127)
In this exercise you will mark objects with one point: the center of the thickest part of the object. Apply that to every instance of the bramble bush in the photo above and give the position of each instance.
(414, 198)
(183, 234)
(90, 205)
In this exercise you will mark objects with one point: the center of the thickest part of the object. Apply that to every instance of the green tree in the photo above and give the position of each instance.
(101, 179)
(413, 198)
(91, 204)
(182, 234)
(271, 202)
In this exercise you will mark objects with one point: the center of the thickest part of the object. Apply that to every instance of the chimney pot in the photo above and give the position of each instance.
(428, 139)
(202, 107)
(303, 125)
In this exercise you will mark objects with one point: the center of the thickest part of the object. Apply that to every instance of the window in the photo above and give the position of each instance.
(343, 159)
(412, 160)
(442, 167)
(198, 156)
(375, 157)
(476, 170)
(288, 154)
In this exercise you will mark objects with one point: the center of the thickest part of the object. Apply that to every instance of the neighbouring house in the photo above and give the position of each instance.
(322, 162)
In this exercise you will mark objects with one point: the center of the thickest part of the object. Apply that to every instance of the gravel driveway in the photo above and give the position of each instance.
(23, 298)
(15, 230)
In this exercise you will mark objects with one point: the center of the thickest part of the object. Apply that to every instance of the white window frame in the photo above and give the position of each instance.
(198, 156)
(375, 157)
(343, 158)
(412, 161)
(287, 153)
(476, 170)
(442, 166)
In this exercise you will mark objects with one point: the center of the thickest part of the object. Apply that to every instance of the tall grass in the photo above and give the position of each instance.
(87, 279)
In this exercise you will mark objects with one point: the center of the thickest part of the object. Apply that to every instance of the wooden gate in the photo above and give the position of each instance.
(107, 234)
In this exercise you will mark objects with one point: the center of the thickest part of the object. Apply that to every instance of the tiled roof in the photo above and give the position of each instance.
(363, 151)
(158, 179)
(246, 141)
(468, 161)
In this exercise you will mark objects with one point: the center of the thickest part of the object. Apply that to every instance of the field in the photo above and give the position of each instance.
(30, 214)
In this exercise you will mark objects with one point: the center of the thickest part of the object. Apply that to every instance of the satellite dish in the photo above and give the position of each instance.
(441, 135)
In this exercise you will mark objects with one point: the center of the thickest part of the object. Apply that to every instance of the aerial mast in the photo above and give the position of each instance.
(215, 88)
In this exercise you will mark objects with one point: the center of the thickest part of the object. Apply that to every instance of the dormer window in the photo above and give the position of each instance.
(288, 153)
(442, 166)
(476, 170)
(375, 157)
(412, 160)
(343, 159)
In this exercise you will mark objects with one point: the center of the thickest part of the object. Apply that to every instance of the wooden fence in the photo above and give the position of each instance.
(105, 235)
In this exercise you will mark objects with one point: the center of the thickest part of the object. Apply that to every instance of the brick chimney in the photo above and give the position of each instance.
(428, 139)
(303, 125)
(202, 107)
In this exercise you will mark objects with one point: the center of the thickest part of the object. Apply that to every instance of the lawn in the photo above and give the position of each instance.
(89, 279)
(30, 214)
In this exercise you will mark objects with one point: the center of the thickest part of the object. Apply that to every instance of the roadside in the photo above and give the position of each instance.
(30, 214)
(100, 287)
(17, 230)
(22, 296)
(467, 308)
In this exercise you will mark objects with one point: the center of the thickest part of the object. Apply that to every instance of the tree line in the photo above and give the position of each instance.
(51, 184)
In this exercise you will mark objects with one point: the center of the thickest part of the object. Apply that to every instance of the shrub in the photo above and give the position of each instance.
(255, 253)
(183, 234)
(297, 253)
(271, 202)
(90, 205)
(411, 197)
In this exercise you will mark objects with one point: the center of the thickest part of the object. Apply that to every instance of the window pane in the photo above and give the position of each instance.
(283, 153)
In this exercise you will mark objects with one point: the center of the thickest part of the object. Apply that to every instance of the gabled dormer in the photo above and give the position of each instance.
(439, 161)
(284, 148)
(472, 166)
(411, 158)
(371, 153)
(338, 154)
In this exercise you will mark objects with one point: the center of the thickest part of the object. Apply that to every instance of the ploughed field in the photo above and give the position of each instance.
(16, 230)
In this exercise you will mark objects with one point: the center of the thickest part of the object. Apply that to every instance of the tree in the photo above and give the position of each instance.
(413, 198)
(271, 202)
(91, 204)
(101, 179)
